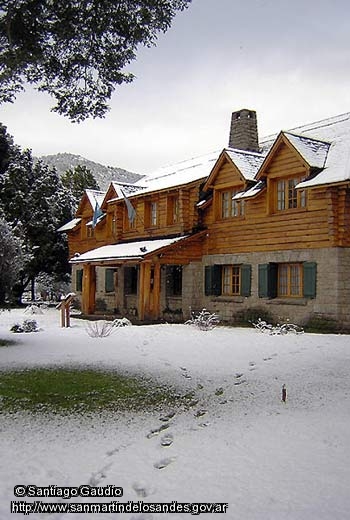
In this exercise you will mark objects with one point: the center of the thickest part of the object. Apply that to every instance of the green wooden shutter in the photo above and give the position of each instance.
(79, 280)
(267, 280)
(246, 276)
(310, 271)
(213, 280)
(109, 280)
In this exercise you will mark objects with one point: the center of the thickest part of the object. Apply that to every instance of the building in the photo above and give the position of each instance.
(262, 226)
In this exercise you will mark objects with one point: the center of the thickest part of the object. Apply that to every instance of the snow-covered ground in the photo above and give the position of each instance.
(238, 443)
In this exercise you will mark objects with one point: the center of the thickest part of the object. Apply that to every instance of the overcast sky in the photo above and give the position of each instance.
(289, 61)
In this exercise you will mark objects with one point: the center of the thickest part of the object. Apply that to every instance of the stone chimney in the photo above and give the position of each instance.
(244, 131)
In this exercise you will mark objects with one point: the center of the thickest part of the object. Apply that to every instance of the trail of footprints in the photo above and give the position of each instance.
(141, 488)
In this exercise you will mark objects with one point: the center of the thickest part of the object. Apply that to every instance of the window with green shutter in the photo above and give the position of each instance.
(229, 280)
(213, 279)
(267, 280)
(287, 280)
(109, 280)
(246, 277)
(79, 280)
(310, 272)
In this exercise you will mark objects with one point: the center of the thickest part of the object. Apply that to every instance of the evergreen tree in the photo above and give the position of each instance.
(11, 260)
(35, 204)
(77, 51)
(76, 181)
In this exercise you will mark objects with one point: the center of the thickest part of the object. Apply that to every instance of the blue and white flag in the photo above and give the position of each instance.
(97, 214)
(130, 208)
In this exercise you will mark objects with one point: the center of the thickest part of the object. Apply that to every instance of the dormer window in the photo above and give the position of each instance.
(151, 214)
(288, 197)
(229, 207)
(172, 210)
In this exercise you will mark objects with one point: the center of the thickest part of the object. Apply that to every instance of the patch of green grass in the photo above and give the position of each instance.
(73, 390)
(7, 342)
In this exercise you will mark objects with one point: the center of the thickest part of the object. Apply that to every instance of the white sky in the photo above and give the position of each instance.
(289, 61)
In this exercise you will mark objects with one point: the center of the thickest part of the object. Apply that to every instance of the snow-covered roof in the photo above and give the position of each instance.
(248, 163)
(125, 251)
(313, 151)
(95, 196)
(335, 134)
(178, 174)
(70, 225)
(251, 192)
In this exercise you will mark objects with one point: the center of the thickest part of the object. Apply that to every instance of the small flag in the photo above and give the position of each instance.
(97, 214)
(130, 208)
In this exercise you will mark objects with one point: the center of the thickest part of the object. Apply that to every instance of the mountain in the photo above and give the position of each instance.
(103, 174)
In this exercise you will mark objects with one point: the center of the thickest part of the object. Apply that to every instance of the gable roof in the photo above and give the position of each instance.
(322, 144)
(312, 150)
(91, 196)
(247, 164)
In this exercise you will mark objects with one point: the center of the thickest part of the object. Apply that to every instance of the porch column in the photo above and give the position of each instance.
(156, 291)
(144, 289)
(89, 289)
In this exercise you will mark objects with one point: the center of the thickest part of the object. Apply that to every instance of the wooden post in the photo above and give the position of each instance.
(89, 289)
(64, 307)
(156, 291)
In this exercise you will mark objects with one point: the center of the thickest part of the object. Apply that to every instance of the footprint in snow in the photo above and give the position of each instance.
(167, 440)
(167, 417)
(157, 431)
(164, 463)
(219, 391)
(96, 478)
(200, 413)
(240, 382)
(238, 375)
(141, 489)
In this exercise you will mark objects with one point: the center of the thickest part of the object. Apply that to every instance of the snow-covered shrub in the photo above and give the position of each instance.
(100, 329)
(121, 322)
(279, 329)
(204, 320)
(33, 309)
(26, 326)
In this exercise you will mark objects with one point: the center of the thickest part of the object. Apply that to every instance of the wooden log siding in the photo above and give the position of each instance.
(324, 222)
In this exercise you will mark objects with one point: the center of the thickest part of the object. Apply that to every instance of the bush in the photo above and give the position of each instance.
(205, 320)
(26, 326)
(100, 329)
(279, 329)
(246, 317)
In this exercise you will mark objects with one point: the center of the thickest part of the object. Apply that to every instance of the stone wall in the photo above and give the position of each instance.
(332, 292)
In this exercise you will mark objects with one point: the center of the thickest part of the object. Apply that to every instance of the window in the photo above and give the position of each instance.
(291, 280)
(228, 280)
(109, 280)
(129, 224)
(90, 231)
(288, 197)
(231, 279)
(174, 280)
(230, 207)
(151, 214)
(172, 210)
(79, 280)
(130, 280)
(154, 214)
